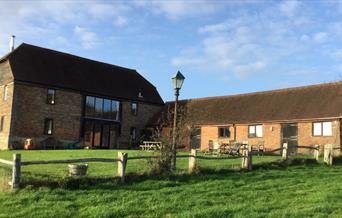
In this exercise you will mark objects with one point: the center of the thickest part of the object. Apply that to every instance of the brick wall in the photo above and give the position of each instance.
(30, 110)
(208, 133)
(6, 78)
(272, 135)
(305, 135)
(139, 121)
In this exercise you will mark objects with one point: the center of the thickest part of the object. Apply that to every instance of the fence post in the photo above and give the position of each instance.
(285, 154)
(192, 161)
(316, 153)
(249, 159)
(122, 165)
(15, 183)
(328, 154)
(246, 162)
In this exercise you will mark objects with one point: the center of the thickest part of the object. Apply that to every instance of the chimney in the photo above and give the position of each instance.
(12, 43)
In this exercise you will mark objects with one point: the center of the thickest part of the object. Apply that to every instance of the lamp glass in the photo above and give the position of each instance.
(178, 80)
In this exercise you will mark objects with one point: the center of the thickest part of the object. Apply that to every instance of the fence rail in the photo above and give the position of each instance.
(83, 160)
(246, 160)
(6, 162)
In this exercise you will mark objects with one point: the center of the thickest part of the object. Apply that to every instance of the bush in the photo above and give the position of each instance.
(162, 163)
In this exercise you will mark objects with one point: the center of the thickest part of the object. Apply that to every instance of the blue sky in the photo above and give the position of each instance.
(222, 47)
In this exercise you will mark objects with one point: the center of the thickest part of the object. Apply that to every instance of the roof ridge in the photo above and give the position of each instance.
(72, 55)
(5, 56)
(265, 92)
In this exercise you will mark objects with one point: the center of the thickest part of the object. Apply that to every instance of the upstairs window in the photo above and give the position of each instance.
(255, 131)
(48, 126)
(5, 93)
(224, 132)
(134, 109)
(51, 96)
(322, 129)
(2, 123)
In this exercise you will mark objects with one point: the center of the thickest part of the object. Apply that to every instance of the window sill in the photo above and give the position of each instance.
(322, 136)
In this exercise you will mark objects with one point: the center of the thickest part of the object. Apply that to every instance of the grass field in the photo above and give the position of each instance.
(219, 190)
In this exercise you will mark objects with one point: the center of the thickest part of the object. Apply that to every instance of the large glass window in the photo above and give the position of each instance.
(106, 108)
(98, 107)
(90, 106)
(115, 110)
(102, 108)
(322, 129)
(255, 131)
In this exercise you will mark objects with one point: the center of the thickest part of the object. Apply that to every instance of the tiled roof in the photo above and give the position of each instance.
(43, 66)
(301, 103)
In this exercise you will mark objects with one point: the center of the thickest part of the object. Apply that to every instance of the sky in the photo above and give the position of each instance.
(221, 47)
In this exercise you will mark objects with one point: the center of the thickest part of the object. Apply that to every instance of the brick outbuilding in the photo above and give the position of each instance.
(309, 115)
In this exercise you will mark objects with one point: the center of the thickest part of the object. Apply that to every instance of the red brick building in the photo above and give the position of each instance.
(53, 96)
(308, 115)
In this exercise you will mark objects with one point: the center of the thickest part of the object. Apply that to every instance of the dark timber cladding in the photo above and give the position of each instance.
(43, 66)
(307, 102)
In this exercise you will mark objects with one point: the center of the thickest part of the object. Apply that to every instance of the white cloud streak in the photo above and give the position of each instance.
(244, 45)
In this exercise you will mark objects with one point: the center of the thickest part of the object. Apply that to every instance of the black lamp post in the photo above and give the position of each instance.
(177, 81)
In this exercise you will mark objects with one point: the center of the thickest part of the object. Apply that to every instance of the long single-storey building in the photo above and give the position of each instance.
(309, 115)
(62, 99)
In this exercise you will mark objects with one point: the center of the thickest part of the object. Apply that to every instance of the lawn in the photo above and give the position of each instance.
(219, 190)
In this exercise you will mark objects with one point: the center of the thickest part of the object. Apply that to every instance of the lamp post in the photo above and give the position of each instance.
(177, 81)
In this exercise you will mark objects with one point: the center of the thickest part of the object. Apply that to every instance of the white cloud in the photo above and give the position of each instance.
(336, 54)
(304, 37)
(226, 78)
(87, 38)
(289, 7)
(320, 37)
(120, 21)
(244, 45)
(48, 21)
(178, 9)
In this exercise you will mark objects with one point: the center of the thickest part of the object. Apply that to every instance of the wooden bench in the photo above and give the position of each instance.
(150, 146)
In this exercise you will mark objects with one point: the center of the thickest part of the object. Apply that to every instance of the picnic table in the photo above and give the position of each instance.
(151, 146)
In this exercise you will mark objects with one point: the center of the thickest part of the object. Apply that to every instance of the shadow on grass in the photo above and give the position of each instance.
(34, 180)
(337, 160)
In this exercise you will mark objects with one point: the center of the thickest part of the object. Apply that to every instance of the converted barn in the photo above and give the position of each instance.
(309, 115)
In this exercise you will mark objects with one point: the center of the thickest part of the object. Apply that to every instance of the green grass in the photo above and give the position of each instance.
(219, 190)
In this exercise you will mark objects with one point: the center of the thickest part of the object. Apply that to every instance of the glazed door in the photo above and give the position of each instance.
(100, 134)
(97, 135)
(105, 136)
(290, 135)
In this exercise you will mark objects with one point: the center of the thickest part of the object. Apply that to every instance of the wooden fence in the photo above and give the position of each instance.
(246, 160)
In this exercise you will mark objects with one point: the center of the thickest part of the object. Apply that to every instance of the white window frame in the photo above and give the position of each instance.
(324, 128)
(255, 131)
(5, 92)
